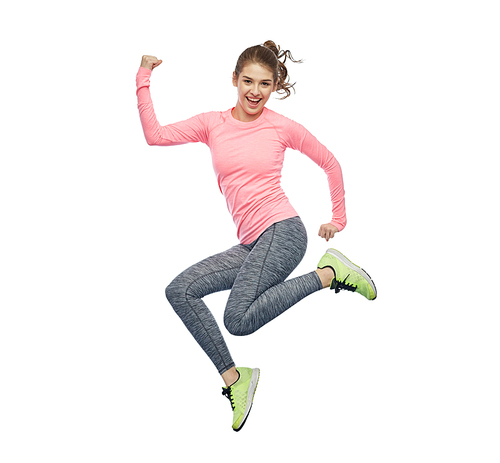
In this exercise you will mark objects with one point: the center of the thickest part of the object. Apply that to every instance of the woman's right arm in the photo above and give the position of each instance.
(189, 131)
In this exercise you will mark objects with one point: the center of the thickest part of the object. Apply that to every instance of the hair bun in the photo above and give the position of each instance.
(280, 53)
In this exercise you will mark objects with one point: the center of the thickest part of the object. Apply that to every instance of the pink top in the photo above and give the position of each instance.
(247, 158)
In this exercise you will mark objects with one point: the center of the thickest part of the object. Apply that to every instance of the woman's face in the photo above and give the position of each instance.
(255, 85)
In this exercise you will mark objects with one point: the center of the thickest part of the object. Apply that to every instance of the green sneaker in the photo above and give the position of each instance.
(241, 393)
(348, 276)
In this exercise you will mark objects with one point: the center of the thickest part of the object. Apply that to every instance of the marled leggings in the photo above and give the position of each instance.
(256, 275)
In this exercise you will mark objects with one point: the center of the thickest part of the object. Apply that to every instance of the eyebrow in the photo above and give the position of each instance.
(264, 80)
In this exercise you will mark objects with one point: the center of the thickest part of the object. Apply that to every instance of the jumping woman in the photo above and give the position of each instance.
(248, 144)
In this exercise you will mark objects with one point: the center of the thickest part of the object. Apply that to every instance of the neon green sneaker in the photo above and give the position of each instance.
(348, 276)
(241, 393)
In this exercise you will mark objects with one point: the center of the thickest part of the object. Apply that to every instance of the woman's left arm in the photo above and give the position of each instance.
(306, 143)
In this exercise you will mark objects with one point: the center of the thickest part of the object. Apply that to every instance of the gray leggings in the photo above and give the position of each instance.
(256, 275)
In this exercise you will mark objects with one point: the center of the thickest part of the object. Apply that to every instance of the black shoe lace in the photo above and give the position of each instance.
(338, 285)
(227, 392)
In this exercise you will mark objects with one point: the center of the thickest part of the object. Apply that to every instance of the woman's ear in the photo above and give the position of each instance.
(235, 79)
(275, 86)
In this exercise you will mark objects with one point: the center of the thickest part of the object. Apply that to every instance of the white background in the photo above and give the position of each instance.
(96, 367)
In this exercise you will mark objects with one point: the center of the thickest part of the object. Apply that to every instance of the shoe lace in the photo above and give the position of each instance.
(227, 392)
(339, 285)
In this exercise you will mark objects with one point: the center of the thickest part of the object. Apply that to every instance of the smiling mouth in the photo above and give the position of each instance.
(253, 101)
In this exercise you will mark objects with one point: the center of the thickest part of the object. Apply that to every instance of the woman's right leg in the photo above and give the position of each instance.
(185, 293)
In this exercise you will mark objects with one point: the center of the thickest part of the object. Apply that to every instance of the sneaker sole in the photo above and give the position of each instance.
(254, 381)
(354, 267)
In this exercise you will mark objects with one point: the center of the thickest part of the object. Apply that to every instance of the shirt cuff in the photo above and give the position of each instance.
(144, 71)
(340, 226)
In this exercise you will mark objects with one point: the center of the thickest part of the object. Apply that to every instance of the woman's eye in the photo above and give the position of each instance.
(247, 81)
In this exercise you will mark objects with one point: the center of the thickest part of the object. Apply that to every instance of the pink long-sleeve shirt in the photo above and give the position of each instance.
(247, 158)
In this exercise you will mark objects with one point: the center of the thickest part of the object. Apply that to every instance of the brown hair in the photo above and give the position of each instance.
(269, 55)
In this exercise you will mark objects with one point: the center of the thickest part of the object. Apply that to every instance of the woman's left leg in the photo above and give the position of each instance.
(260, 292)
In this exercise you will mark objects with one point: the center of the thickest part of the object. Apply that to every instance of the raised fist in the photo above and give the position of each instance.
(150, 62)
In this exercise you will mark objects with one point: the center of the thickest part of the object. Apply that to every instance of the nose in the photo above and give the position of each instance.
(255, 90)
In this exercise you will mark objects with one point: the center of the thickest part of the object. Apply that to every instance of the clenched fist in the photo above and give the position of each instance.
(150, 62)
(327, 231)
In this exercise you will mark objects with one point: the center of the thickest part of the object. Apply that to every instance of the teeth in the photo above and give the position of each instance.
(254, 101)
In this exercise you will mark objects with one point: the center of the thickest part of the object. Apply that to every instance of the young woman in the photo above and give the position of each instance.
(248, 143)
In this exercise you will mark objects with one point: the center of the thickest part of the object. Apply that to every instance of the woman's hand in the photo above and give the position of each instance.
(327, 231)
(150, 62)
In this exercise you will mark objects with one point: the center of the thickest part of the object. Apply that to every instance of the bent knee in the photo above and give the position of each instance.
(236, 327)
(237, 330)
(169, 292)
(175, 293)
